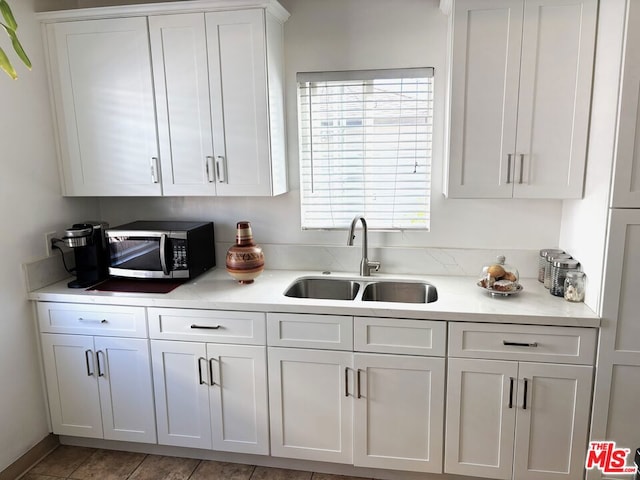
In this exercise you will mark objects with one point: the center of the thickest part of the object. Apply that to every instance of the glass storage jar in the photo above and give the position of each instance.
(574, 286)
(542, 261)
(549, 264)
(559, 270)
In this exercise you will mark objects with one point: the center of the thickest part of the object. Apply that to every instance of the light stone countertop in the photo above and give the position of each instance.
(459, 299)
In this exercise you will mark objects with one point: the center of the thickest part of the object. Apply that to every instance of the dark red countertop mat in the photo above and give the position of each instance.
(137, 286)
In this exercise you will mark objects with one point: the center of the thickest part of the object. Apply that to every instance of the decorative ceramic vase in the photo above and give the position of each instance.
(245, 260)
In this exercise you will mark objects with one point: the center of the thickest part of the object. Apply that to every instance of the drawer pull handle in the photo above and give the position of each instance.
(511, 392)
(519, 344)
(86, 358)
(524, 400)
(207, 327)
(90, 320)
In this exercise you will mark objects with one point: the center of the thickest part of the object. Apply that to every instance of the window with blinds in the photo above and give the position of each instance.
(365, 142)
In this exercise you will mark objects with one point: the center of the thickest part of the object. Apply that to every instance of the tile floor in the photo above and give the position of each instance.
(82, 463)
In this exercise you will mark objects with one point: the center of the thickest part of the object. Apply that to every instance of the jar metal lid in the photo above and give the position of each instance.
(553, 256)
(550, 251)
(565, 263)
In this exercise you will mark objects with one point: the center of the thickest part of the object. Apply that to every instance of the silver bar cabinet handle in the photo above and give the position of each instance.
(154, 170)
(86, 358)
(521, 167)
(511, 392)
(509, 157)
(519, 344)
(100, 372)
(209, 168)
(206, 327)
(220, 173)
(524, 400)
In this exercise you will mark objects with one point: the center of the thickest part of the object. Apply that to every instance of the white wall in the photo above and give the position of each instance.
(30, 204)
(363, 34)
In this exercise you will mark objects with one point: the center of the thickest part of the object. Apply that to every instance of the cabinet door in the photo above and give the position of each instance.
(238, 85)
(310, 404)
(101, 80)
(126, 395)
(181, 79)
(70, 372)
(399, 412)
(481, 414)
(181, 389)
(626, 180)
(239, 398)
(558, 43)
(485, 69)
(557, 399)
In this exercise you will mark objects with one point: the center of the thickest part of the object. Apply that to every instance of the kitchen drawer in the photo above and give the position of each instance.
(215, 326)
(90, 319)
(329, 332)
(394, 335)
(523, 342)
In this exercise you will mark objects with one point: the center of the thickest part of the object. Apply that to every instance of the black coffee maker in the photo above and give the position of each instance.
(89, 244)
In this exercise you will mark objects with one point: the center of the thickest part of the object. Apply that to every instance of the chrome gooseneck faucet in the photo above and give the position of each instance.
(365, 265)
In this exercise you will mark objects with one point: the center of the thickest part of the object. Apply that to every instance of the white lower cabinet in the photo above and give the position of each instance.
(210, 379)
(211, 396)
(99, 387)
(515, 419)
(367, 409)
(310, 403)
(398, 412)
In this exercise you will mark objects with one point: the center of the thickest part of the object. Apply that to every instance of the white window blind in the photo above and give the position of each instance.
(365, 141)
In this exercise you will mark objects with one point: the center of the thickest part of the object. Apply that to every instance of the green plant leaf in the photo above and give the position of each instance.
(8, 15)
(5, 65)
(17, 46)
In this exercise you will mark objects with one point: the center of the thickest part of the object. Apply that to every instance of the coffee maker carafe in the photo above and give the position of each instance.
(89, 245)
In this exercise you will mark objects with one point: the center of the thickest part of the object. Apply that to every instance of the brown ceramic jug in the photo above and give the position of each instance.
(245, 260)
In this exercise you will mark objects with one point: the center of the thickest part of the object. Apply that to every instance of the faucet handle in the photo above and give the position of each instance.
(375, 266)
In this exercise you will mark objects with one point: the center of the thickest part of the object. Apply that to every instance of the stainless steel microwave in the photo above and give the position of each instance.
(161, 249)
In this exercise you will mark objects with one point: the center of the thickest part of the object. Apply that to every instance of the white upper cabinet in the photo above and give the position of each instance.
(103, 95)
(193, 104)
(626, 180)
(520, 89)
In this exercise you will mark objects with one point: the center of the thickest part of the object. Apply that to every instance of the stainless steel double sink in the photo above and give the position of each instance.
(373, 290)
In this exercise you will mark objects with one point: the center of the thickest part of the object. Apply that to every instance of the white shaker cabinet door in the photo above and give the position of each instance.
(481, 415)
(71, 376)
(239, 405)
(180, 72)
(126, 394)
(103, 95)
(487, 37)
(239, 101)
(311, 404)
(626, 179)
(558, 42)
(552, 422)
(181, 387)
(399, 412)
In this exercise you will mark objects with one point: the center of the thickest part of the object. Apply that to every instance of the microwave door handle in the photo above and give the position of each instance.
(163, 254)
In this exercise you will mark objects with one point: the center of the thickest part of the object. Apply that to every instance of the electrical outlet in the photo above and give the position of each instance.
(48, 237)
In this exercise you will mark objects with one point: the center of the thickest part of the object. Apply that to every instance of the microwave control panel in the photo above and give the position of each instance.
(179, 247)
